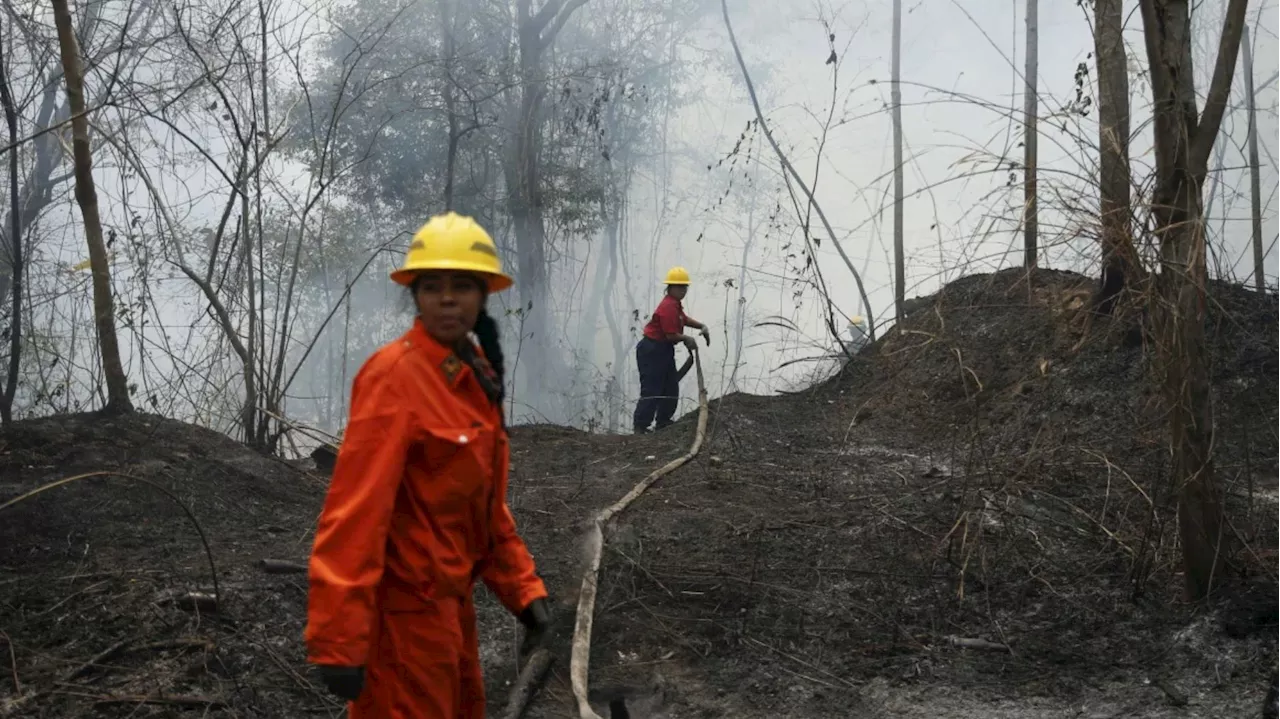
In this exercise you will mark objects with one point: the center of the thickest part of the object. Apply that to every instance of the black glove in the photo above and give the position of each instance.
(706, 336)
(684, 368)
(343, 682)
(536, 619)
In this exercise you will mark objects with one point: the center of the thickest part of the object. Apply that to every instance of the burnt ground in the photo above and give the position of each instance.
(982, 473)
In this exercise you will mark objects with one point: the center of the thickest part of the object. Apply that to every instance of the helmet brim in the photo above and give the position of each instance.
(494, 282)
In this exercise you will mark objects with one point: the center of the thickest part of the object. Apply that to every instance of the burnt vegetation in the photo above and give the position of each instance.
(1030, 490)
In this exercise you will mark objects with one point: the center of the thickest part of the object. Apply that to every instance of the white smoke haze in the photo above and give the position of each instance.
(284, 152)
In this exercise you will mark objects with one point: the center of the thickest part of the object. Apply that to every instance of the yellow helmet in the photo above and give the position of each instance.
(855, 320)
(453, 242)
(677, 276)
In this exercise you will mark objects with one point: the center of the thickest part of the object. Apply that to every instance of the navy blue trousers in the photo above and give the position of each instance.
(659, 383)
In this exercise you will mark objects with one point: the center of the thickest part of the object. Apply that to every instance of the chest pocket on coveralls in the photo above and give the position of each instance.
(461, 462)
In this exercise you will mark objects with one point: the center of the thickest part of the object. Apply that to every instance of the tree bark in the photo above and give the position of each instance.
(1184, 139)
(15, 246)
(1255, 179)
(1030, 210)
(895, 90)
(87, 197)
(450, 98)
(1120, 265)
(535, 34)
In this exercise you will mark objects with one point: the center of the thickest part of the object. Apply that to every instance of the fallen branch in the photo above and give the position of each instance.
(13, 663)
(580, 658)
(530, 678)
(99, 658)
(192, 602)
(977, 644)
(1176, 697)
(180, 643)
(179, 701)
(127, 645)
(281, 566)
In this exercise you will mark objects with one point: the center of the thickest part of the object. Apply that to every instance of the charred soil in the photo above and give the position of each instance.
(972, 519)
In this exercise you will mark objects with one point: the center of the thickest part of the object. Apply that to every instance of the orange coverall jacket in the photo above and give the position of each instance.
(416, 511)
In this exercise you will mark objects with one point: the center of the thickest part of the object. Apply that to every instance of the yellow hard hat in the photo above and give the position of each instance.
(855, 319)
(677, 276)
(453, 242)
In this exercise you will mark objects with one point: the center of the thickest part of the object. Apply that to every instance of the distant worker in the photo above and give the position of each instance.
(857, 334)
(656, 354)
(417, 510)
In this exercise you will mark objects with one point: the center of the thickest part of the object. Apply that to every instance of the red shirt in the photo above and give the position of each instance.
(668, 319)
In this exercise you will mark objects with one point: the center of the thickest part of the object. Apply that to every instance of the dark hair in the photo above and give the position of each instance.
(486, 330)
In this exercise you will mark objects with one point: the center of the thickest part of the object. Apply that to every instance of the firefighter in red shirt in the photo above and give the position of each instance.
(656, 354)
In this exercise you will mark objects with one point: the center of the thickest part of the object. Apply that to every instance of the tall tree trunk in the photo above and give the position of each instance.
(1030, 209)
(1120, 265)
(1255, 179)
(899, 253)
(1183, 141)
(249, 412)
(87, 197)
(535, 34)
(450, 98)
(740, 312)
(15, 245)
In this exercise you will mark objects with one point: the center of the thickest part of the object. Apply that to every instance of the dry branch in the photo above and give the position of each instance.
(978, 644)
(791, 170)
(531, 676)
(1176, 697)
(13, 663)
(580, 658)
(99, 658)
(178, 701)
(281, 566)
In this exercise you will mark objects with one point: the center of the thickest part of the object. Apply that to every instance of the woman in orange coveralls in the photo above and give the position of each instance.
(417, 509)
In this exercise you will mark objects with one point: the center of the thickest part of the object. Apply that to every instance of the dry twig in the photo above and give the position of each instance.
(530, 678)
(13, 663)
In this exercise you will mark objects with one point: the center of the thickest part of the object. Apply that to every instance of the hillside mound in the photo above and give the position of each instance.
(138, 588)
(132, 591)
(981, 501)
(1016, 361)
(968, 521)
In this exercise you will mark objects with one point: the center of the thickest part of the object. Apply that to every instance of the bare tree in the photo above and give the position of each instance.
(899, 254)
(536, 32)
(87, 197)
(15, 243)
(448, 14)
(1255, 180)
(1030, 210)
(1184, 139)
(1120, 265)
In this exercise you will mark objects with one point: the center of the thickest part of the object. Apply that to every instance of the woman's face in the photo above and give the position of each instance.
(448, 303)
(678, 291)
